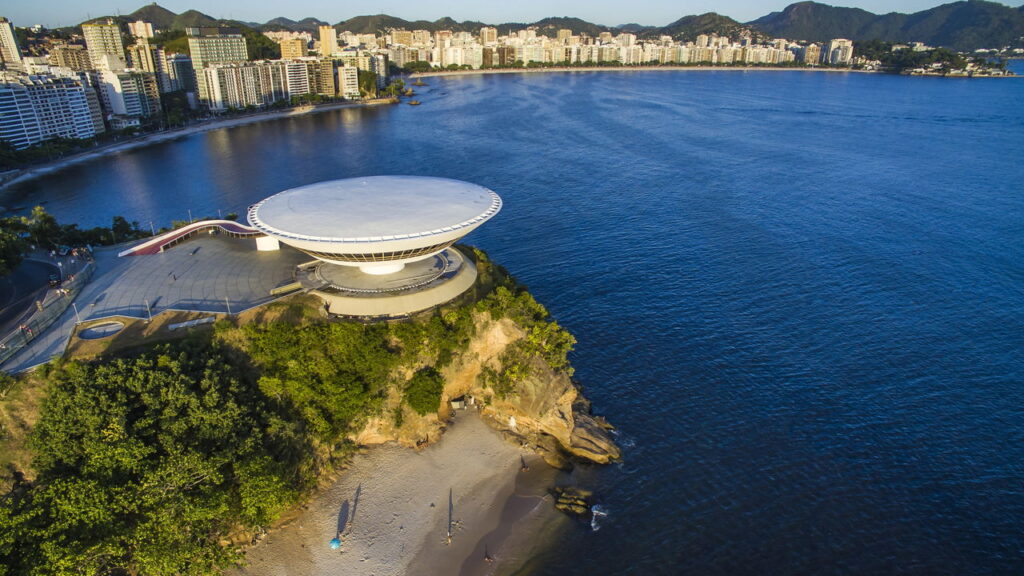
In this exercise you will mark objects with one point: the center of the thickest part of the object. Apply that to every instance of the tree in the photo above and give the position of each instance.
(423, 393)
(122, 229)
(43, 227)
(11, 248)
(144, 464)
(367, 84)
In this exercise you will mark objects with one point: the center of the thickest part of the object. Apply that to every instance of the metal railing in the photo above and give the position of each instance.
(45, 315)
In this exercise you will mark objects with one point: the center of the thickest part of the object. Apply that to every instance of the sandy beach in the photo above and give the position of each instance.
(150, 139)
(634, 69)
(392, 505)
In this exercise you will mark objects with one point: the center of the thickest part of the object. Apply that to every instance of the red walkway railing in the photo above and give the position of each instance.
(161, 242)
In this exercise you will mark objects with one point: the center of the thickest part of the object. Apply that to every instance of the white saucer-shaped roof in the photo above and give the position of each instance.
(378, 222)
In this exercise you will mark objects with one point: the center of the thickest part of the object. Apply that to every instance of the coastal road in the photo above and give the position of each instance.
(18, 288)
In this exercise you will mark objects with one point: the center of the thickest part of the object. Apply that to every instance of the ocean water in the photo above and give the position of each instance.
(799, 296)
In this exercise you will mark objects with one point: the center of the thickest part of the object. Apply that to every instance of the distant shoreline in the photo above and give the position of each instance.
(633, 69)
(36, 171)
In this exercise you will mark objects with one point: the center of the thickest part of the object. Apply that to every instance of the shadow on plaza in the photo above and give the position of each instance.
(201, 305)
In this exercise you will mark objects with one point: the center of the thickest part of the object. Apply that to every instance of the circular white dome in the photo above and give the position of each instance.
(378, 222)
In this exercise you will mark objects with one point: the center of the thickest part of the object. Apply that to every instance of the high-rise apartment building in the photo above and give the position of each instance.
(140, 29)
(10, 54)
(488, 35)
(421, 37)
(180, 75)
(209, 46)
(326, 81)
(297, 78)
(144, 57)
(810, 54)
(564, 35)
(38, 108)
(403, 37)
(103, 41)
(70, 56)
(328, 41)
(293, 49)
(130, 93)
(140, 56)
(839, 52)
(348, 82)
(246, 84)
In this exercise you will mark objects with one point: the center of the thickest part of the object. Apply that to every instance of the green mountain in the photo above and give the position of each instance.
(379, 23)
(160, 17)
(634, 28)
(190, 18)
(965, 25)
(689, 27)
(551, 26)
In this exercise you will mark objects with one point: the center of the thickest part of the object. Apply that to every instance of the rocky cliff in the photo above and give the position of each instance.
(516, 392)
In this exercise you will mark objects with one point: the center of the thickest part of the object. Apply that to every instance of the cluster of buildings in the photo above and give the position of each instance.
(82, 89)
(489, 50)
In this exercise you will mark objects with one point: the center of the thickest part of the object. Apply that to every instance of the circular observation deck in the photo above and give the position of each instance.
(378, 223)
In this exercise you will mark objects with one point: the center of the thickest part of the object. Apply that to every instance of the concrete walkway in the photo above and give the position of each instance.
(206, 274)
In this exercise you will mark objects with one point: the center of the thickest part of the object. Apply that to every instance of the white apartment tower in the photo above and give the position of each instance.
(10, 54)
(839, 52)
(37, 108)
(213, 46)
(103, 41)
(328, 41)
(140, 29)
(488, 35)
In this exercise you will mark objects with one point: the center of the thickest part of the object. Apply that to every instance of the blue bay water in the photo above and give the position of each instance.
(800, 296)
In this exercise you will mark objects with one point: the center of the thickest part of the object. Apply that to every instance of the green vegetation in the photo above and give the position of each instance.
(906, 59)
(960, 25)
(258, 46)
(367, 84)
(42, 230)
(139, 461)
(11, 249)
(47, 150)
(417, 66)
(172, 41)
(423, 393)
(163, 459)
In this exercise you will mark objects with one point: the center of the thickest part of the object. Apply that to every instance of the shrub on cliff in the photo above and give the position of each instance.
(423, 393)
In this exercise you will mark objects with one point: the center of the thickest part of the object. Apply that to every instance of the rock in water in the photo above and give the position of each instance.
(571, 500)
(591, 440)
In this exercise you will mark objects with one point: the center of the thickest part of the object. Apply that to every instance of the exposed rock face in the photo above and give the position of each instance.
(545, 410)
(571, 500)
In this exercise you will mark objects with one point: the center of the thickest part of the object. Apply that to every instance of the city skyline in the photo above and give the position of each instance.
(60, 13)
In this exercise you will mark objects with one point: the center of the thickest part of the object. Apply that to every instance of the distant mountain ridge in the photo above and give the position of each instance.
(689, 27)
(964, 25)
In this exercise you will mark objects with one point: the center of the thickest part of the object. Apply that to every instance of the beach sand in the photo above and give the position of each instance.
(392, 504)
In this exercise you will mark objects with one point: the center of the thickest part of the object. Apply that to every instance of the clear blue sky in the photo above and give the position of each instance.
(54, 13)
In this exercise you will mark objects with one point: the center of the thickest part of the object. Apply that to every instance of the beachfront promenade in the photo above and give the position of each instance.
(205, 274)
